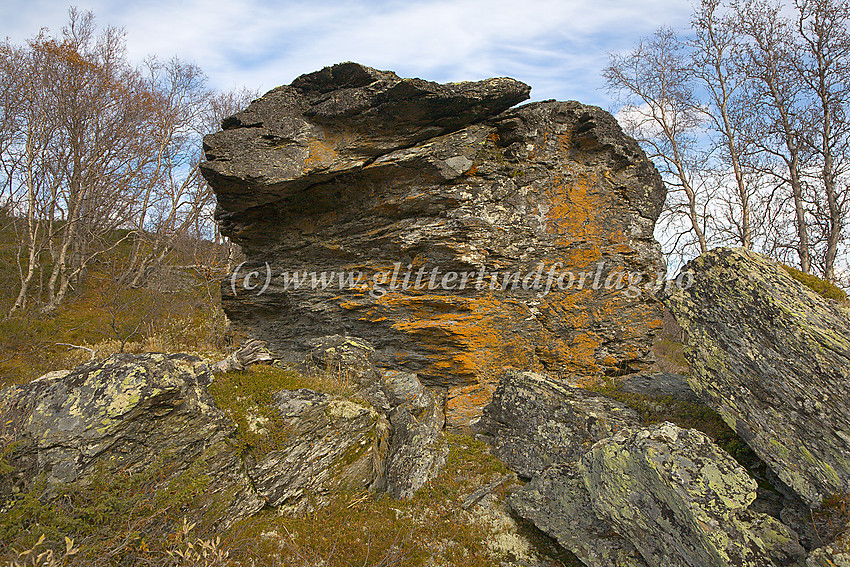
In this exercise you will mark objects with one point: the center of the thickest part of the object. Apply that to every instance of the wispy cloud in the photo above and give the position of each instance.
(557, 46)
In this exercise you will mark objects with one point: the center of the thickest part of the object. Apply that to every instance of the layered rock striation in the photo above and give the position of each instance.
(773, 358)
(134, 413)
(373, 184)
(683, 501)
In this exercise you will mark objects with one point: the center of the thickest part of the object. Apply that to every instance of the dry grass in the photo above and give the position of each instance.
(669, 346)
(141, 520)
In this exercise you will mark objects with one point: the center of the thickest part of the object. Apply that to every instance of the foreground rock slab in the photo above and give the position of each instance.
(535, 421)
(682, 501)
(347, 189)
(332, 444)
(128, 412)
(558, 503)
(417, 450)
(773, 359)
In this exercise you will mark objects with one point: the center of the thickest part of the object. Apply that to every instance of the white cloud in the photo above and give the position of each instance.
(557, 46)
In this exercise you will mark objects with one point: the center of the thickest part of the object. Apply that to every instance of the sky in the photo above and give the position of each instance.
(559, 47)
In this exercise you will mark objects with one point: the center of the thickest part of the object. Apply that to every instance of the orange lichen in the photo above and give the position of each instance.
(464, 403)
(583, 331)
(321, 155)
(470, 335)
(470, 341)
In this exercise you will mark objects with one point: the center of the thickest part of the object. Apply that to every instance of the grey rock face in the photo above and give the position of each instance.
(535, 422)
(682, 501)
(773, 359)
(660, 385)
(558, 503)
(128, 412)
(417, 450)
(334, 444)
(337, 121)
(354, 171)
(128, 408)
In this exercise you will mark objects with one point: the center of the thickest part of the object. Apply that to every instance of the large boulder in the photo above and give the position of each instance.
(558, 503)
(682, 501)
(535, 421)
(427, 219)
(773, 358)
(129, 413)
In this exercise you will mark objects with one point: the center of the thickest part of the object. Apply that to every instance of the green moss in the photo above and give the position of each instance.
(820, 286)
(123, 519)
(248, 398)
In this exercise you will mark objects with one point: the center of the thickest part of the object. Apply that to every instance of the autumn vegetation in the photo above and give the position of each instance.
(97, 153)
(108, 243)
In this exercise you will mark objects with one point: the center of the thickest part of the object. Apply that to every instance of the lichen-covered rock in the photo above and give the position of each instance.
(331, 444)
(773, 358)
(359, 184)
(127, 412)
(417, 451)
(836, 554)
(417, 448)
(128, 408)
(350, 357)
(682, 501)
(558, 503)
(534, 421)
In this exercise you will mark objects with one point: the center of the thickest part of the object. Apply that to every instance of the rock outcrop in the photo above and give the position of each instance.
(331, 444)
(656, 495)
(435, 216)
(559, 504)
(534, 422)
(682, 501)
(128, 412)
(417, 451)
(773, 358)
(135, 412)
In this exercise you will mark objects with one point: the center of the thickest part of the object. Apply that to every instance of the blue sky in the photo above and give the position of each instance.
(558, 47)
